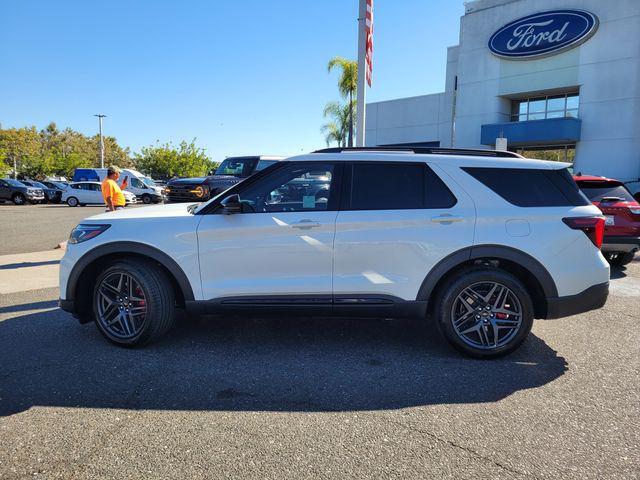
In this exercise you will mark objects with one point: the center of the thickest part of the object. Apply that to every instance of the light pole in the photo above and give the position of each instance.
(100, 117)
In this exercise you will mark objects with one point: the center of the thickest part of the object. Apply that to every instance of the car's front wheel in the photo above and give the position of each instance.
(484, 312)
(72, 201)
(146, 199)
(18, 199)
(133, 303)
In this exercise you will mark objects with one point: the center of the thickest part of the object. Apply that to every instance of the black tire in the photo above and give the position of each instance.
(159, 296)
(620, 259)
(18, 199)
(146, 199)
(482, 277)
(72, 202)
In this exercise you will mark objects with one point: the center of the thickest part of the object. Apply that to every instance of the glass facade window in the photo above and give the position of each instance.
(557, 153)
(539, 108)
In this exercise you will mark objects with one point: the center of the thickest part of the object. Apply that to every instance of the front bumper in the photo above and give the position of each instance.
(592, 298)
(615, 243)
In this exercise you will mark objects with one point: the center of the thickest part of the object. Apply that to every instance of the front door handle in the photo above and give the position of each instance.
(446, 219)
(306, 223)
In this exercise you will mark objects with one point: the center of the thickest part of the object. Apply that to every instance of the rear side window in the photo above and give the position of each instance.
(525, 187)
(397, 186)
(598, 191)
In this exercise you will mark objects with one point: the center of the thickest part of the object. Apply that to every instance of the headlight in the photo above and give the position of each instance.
(85, 232)
(200, 191)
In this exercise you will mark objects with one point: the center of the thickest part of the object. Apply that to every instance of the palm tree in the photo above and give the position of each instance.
(338, 129)
(347, 85)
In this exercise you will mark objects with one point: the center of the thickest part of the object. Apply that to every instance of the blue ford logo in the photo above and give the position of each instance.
(543, 34)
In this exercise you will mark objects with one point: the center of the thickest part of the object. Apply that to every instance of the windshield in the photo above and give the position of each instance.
(597, 192)
(148, 182)
(240, 167)
(14, 183)
(38, 184)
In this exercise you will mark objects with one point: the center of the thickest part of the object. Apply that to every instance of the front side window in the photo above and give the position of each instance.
(397, 186)
(299, 187)
(135, 183)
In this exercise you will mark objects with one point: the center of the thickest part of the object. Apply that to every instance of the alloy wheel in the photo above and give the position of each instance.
(121, 305)
(486, 315)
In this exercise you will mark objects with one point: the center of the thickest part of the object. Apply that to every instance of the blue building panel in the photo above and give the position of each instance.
(550, 131)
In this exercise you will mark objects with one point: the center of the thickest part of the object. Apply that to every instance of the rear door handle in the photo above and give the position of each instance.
(306, 223)
(446, 219)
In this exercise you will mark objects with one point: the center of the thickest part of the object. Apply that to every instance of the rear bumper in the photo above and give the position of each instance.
(592, 298)
(613, 243)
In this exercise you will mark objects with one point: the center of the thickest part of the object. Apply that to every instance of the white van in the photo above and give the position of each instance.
(140, 185)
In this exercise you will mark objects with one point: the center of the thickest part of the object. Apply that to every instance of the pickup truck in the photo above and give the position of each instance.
(231, 171)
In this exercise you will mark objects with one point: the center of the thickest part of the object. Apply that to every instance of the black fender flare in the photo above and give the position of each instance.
(134, 248)
(498, 252)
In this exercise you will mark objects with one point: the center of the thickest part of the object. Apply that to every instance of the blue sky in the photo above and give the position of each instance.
(243, 77)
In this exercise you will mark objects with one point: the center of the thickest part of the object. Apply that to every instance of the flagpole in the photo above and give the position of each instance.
(361, 93)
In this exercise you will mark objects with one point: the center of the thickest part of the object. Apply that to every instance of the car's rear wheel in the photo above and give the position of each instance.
(72, 201)
(18, 199)
(484, 312)
(620, 259)
(133, 303)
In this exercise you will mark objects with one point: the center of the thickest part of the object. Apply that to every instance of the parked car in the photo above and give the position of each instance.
(60, 185)
(143, 187)
(18, 192)
(634, 188)
(51, 195)
(466, 238)
(89, 193)
(231, 171)
(622, 215)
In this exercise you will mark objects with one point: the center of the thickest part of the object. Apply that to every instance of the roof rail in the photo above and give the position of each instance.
(424, 151)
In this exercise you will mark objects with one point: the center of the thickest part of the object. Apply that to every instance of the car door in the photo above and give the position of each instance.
(5, 190)
(282, 243)
(397, 220)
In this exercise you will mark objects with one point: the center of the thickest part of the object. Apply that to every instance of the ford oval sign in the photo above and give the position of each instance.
(543, 33)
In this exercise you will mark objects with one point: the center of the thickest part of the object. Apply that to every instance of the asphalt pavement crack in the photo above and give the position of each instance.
(469, 450)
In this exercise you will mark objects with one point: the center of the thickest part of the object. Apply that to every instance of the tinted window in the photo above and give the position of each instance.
(299, 187)
(238, 166)
(262, 164)
(397, 186)
(596, 191)
(531, 187)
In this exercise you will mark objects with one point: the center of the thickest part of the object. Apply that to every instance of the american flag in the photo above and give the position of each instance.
(369, 45)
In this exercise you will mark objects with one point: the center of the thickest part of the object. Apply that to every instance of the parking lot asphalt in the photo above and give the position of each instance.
(318, 398)
(34, 228)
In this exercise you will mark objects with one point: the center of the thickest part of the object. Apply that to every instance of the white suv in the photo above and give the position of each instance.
(481, 241)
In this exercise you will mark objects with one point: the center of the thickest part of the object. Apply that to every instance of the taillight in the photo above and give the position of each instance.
(593, 227)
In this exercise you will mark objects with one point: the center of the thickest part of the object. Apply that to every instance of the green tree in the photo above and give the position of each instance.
(167, 160)
(347, 85)
(337, 130)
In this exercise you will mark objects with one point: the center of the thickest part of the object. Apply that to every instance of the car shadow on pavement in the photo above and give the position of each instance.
(232, 364)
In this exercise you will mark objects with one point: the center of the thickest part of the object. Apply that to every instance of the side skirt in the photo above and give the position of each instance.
(377, 306)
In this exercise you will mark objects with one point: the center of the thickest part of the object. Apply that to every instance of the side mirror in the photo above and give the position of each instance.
(231, 204)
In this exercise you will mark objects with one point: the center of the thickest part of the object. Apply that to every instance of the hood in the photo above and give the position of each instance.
(187, 181)
(170, 210)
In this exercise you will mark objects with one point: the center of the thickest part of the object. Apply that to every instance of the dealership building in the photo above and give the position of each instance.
(554, 79)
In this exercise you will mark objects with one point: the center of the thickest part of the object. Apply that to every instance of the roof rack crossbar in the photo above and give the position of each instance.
(423, 151)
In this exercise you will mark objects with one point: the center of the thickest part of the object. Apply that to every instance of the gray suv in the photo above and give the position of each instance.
(18, 192)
